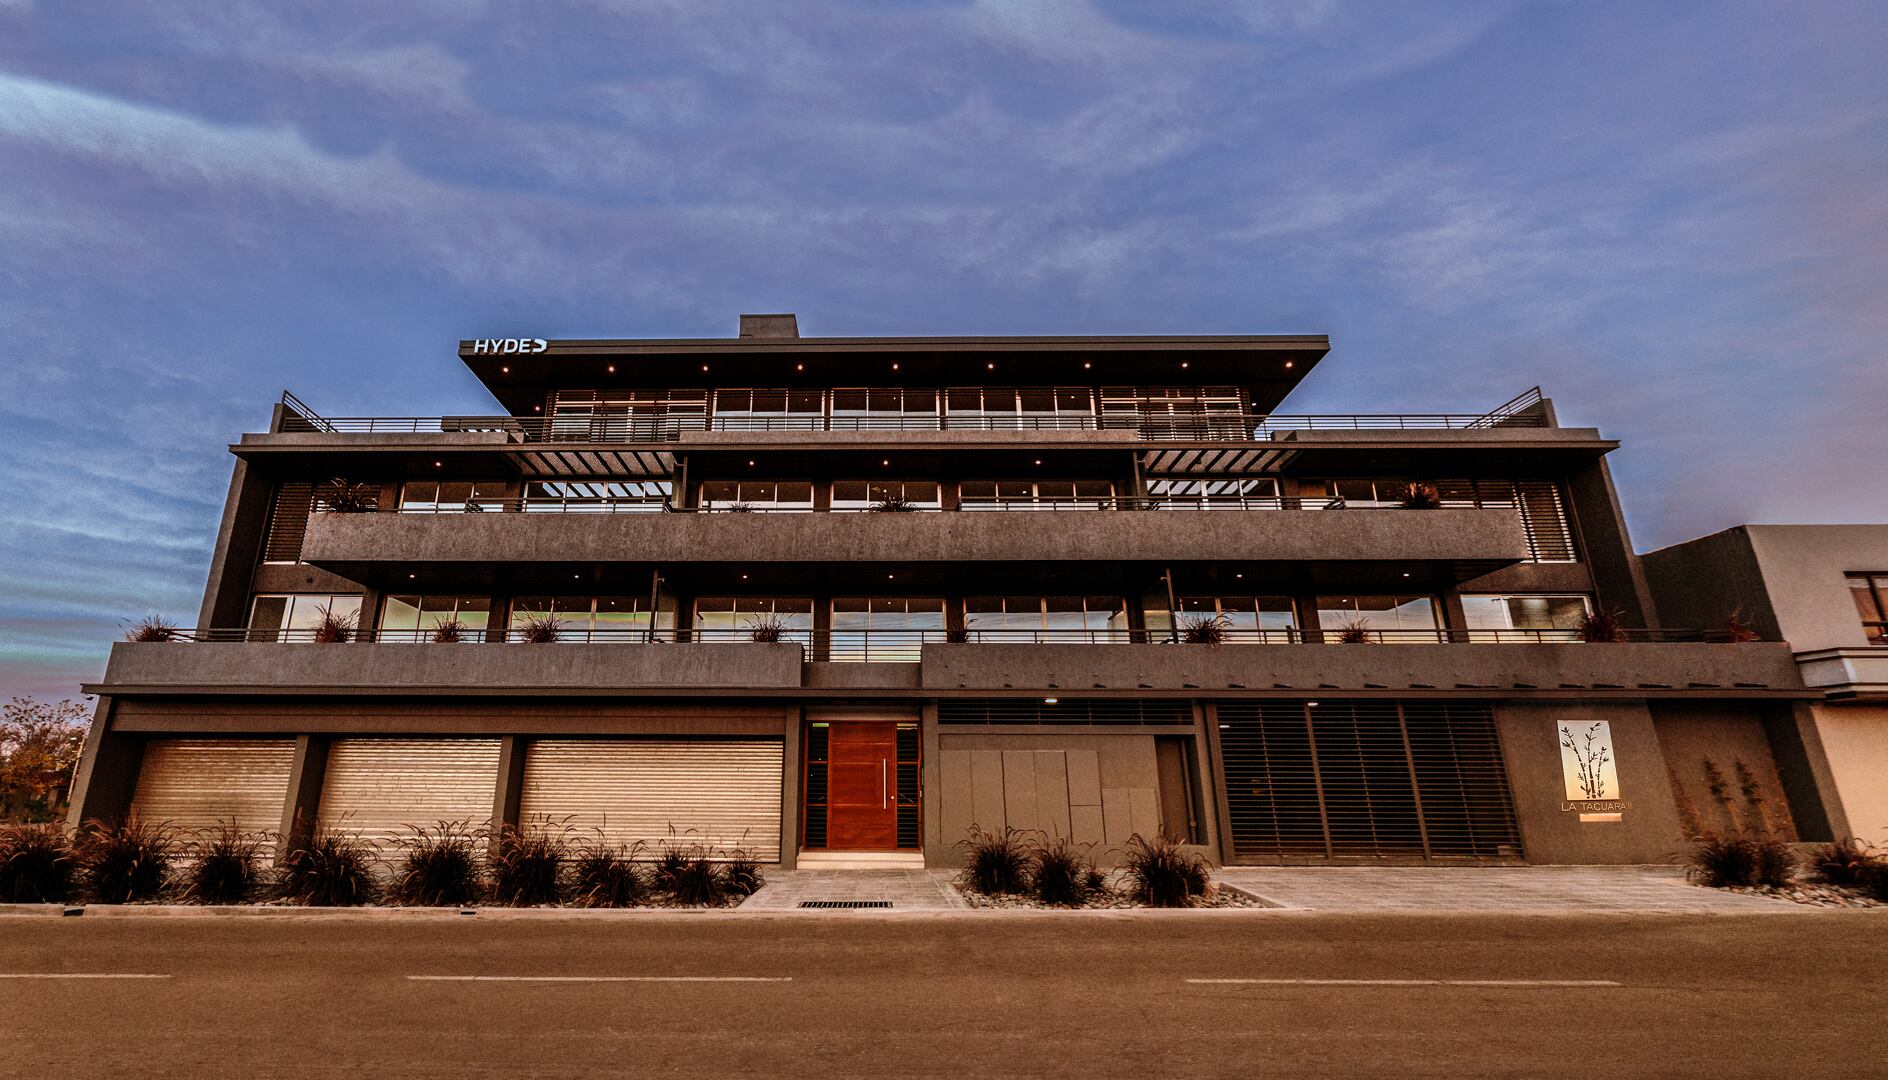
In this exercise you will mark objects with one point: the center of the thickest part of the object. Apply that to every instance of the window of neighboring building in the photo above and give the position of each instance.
(418, 618)
(1065, 618)
(451, 496)
(1269, 619)
(884, 629)
(868, 494)
(730, 617)
(775, 495)
(1871, 602)
(1383, 618)
(271, 614)
(997, 494)
(1541, 617)
(587, 618)
(594, 496)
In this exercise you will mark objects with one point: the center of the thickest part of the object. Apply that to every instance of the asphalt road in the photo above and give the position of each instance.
(949, 995)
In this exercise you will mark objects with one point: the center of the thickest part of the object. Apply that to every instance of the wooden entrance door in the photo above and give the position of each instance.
(862, 794)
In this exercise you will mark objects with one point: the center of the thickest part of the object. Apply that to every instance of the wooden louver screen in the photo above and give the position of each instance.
(288, 522)
(1366, 779)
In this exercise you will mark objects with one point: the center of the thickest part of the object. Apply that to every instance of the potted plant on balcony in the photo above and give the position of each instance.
(736, 508)
(333, 628)
(1737, 631)
(1203, 629)
(766, 629)
(894, 504)
(448, 630)
(1356, 632)
(537, 630)
(152, 628)
(343, 497)
(1419, 495)
(1601, 627)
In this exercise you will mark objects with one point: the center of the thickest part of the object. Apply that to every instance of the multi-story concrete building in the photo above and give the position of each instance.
(823, 596)
(1823, 589)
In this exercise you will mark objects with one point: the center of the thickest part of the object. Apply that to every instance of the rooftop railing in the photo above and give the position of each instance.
(902, 645)
(654, 505)
(657, 426)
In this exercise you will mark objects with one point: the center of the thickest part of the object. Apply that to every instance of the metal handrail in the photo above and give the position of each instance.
(655, 427)
(905, 645)
(657, 505)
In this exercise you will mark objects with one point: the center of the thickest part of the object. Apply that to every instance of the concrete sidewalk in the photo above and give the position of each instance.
(1549, 890)
(907, 890)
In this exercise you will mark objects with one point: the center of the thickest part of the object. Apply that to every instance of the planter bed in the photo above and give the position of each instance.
(1815, 894)
(1111, 898)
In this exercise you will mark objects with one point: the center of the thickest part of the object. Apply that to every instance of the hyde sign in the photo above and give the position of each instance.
(509, 345)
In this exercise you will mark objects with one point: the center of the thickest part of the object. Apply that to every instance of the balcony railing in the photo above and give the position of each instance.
(656, 505)
(658, 426)
(899, 645)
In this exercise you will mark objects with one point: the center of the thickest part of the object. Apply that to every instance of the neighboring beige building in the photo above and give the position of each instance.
(1823, 589)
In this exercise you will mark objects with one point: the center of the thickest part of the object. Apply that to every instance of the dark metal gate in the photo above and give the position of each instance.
(1366, 779)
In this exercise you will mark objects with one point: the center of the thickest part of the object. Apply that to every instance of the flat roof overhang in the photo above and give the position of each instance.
(1269, 365)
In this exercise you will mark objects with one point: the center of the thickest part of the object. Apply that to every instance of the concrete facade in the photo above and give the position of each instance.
(1020, 669)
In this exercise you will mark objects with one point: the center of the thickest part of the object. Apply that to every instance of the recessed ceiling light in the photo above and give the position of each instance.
(1038, 461)
(506, 370)
(1313, 704)
(1239, 575)
(1406, 573)
(991, 367)
(1288, 363)
(887, 462)
(1086, 365)
(743, 577)
(410, 577)
(1050, 700)
(439, 464)
(704, 367)
(612, 369)
(894, 365)
(750, 464)
(799, 367)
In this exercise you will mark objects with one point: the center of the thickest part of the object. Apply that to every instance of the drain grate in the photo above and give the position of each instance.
(845, 903)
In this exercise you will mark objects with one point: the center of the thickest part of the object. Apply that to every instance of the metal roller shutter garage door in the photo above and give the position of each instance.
(377, 788)
(725, 793)
(1366, 779)
(200, 784)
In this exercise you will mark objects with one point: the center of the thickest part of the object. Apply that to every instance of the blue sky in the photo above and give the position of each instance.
(1671, 215)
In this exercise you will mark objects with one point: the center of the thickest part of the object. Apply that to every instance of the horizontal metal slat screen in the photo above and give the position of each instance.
(1078, 711)
(380, 788)
(288, 522)
(202, 784)
(1366, 779)
(1544, 516)
(722, 793)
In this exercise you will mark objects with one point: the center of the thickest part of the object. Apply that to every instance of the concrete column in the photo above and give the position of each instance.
(1215, 777)
(507, 796)
(306, 770)
(1809, 784)
(931, 777)
(107, 774)
(792, 722)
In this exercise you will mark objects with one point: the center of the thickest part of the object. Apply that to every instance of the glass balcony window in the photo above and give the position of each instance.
(595, 496)
(428, 618)
(1537, 617)
(884, 629)
(1389, 619)
(587, 618)
(857, 495)
(737, 618)
(451, 496)
(1030, 494)
(1066, 619)
(295, 616)
(757, 495)
(1263, 619)
(1229, 492)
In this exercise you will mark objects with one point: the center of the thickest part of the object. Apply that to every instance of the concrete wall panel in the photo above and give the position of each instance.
(1530, 744)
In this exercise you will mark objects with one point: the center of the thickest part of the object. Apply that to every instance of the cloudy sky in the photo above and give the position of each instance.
(1672, 215)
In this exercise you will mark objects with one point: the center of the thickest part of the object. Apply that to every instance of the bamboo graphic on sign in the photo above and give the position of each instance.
(1590, 755)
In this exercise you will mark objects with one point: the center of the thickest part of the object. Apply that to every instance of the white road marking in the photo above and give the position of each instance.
(79, 975)
(601, 978)
(1406, 982)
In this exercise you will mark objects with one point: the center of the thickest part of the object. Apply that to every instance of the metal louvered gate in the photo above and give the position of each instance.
(379, 788)
(725, 793)
(201, 784)
(1366, 779)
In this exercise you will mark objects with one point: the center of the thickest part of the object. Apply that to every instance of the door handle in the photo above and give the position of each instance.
(884, 796)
